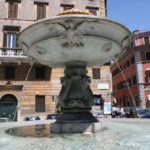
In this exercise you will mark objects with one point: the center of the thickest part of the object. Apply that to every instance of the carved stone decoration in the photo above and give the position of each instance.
(71, 37)
(75, 94)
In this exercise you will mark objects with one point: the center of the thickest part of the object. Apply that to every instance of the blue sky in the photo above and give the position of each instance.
(135, 14)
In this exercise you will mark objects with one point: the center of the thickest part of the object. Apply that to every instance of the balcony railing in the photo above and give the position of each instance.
(12, 52)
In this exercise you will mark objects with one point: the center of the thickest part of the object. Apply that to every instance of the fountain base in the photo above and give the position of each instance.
(76, 127)
(76, 117)
(75, 122)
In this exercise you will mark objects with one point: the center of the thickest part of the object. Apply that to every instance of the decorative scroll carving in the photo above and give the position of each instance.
(71, 32)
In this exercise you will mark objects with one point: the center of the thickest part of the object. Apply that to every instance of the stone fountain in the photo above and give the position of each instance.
(75, 40)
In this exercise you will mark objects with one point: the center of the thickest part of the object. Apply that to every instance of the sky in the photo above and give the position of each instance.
(134, 14)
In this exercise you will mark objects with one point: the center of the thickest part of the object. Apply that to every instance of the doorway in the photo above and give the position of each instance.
(8, 106)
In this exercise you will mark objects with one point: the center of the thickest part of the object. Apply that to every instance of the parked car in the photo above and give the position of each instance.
(128, 112)
(51, 116)
(32, 118)
(132, 112)
(146, 116)
(140, 112)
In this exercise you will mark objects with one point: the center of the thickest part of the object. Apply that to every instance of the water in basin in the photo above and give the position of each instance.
(115, 135)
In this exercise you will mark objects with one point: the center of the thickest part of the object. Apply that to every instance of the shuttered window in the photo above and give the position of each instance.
(39, 103)
(13, 10)
(147, 55)
(9, 72)
(96, 73)
(93, 10)
(146, 40)
(67, 7)
(134, 80)
(41, 9)
(40, 73)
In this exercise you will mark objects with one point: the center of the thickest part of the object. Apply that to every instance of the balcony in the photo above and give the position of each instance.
(12, 52)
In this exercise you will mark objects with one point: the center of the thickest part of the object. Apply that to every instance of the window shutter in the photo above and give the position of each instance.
(40, 104)
(5, 39)
(96, 73)
(41, 11)
(13, 10)
(9, 72)
(40, 73)
(15, 15)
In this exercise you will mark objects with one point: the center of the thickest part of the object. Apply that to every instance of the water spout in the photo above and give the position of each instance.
(22, 90)
(133, 100)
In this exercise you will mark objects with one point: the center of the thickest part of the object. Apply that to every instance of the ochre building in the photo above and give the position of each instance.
(26, 87)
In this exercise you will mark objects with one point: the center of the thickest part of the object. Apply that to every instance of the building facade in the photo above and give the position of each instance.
(131, 73)
(26, 87)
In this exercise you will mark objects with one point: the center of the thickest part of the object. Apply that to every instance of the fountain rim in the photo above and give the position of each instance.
(45, 20)
(74, 18)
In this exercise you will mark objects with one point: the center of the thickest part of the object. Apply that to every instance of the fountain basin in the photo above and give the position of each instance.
(61, 39)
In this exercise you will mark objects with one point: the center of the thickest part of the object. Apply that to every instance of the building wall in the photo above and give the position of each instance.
(140, 68)
(27, 13)
(127, 73)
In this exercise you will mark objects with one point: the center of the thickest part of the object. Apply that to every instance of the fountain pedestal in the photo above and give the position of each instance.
(75, 94)
(76, 100)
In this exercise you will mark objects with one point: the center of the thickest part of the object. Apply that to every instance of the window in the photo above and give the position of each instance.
(10, 34)
(115, 72)
(93, 10)
(66, 6)
(11, 40)
(148, 76)
(147, 55)
(129, 82)
(13, 8)
(146, 40)
(9, 72)
(40, 73)
(97, 99)
(134, 80)
(121, 85)
(39, 103)
(55, 98)
(96, 73)
(124, 66)
(128, 63)
(114, 88)
(132, 60)
(41, 10)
